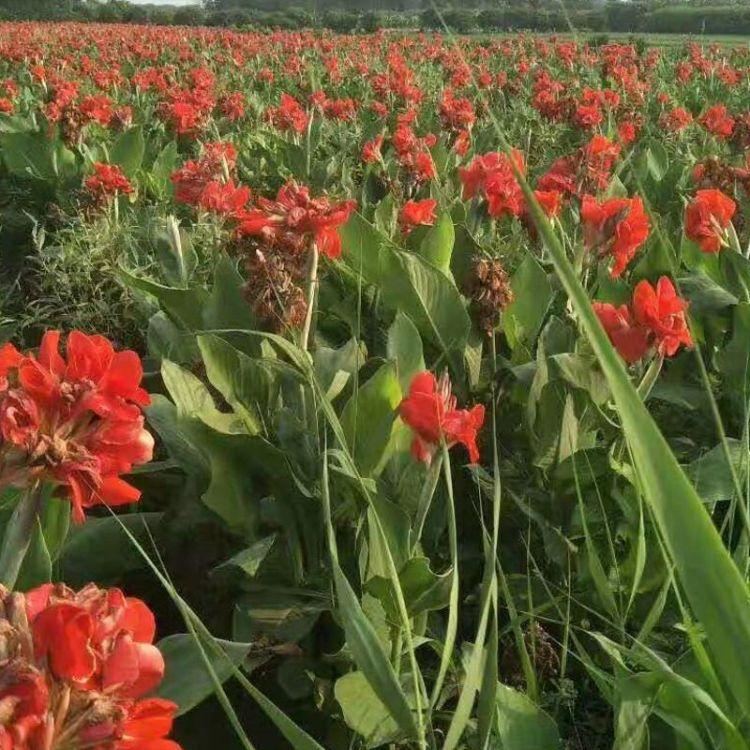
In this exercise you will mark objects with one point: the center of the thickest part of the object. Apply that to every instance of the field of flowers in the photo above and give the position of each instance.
(372, 391)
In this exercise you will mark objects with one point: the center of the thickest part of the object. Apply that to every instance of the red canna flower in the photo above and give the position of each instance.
(707, 217)
(662, 312)
(655, 318)
(617, 227)
(492, 176)
(717, 121)
(224, 198)
(371, 150)
(430, 411)
(107, 182)
(630, 340)
(73, 669)
(597, 158)
(289, 115)
(676, 119)
(550, 201)
(232, 106)
(417, 213)
(75, 422)
(295, 218)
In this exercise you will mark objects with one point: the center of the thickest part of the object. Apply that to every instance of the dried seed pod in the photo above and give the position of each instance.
(488, 288)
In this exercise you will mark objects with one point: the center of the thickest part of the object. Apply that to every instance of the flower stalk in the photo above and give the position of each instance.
(312, 283)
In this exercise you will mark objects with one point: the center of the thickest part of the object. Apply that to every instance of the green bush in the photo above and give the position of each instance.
(341, 21)
(700, 20)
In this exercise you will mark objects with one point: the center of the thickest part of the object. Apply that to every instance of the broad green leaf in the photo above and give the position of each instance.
(363, 710)
(127, 151)
(249, 385)
(28, 155)
(405, 349)
(226, 307)
(657, 160)
(712, 476)
(334, 367)
(55, 519)
(427, 296)
(437, 245)
(533, 295)
(101, 551)
(37, 565)
(186, 681)
(362, 244)
(182, 305)
(521, 725)
(734, 360)
(251, 558)
(369, 655)
(368, 418)
(161, 170)
(704, 294)
(279, 613)
(193, 400)
(423, 589)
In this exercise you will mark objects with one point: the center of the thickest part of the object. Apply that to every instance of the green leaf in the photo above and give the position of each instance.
(368, 418)
(363, 711)
(734, 361)
(161, 170)
(424, 590)
(101, 551)
(193, 399)
(704, 294)
(427, 296)
(37, 565)
(334, 367)
(533, 294)
(437, 245)
(227, 307)
(362, 244)
(28, 155)
(127, 151)
(249, 385)
(712, 476)
(250, 559)
(405, 349)
(657, 161)
(182, 305)
(277, 612)
(186, 681)
(55, 519)
(368, 654)
(521, 725)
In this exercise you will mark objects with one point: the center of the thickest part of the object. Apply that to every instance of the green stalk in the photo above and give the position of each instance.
(452, 628)
(312, 283)
(18, 535)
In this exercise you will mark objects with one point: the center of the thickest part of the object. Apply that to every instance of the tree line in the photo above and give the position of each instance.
(466, 16)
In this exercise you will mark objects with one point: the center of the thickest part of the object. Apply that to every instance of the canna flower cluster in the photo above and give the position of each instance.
(616, 227)
(73, 421)
(208, 183)
(106, 183)
(654, 320)
(74, 670)
(707, 217)
(430, 411)
(275, 238)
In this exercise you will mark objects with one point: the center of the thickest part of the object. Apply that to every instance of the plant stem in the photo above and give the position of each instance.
(312, 282)
(18, 535)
